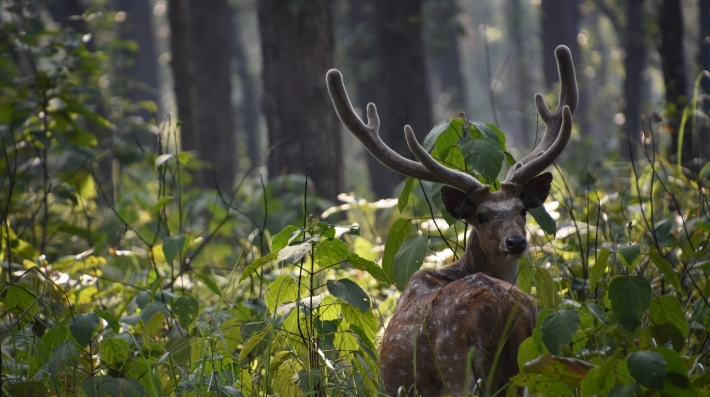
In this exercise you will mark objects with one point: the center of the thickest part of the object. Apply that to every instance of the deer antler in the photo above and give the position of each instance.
(455, 178)
(369, 133)
(559, 124)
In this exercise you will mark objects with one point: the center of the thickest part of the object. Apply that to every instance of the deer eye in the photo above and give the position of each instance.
(481, 219)
(523, 213)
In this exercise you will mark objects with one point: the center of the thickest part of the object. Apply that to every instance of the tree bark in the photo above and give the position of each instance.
(560, 25)
(443, 47)
(182, 78)
(143, 70)
(674, 75)
(297, 48)
(210, 44)
(634, 62)
(522, 102)
(404, 85)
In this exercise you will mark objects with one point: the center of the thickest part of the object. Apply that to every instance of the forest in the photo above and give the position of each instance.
(183, 213)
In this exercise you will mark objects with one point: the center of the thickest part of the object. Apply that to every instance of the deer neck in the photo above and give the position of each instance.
(475, 260)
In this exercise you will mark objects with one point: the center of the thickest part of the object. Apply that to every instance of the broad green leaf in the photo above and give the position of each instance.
(19, 299)
(99, 386)
(528, 351)
(408, 260)
(404, 196)
(630, 297)
(29, 389)
(448, 138)
(186, 308)
(648, 368)
(283, 379)
(283, 289)
(110, 319)
(598, 312)
(629, 253)
(365, 322)
(210, 283)
(172, 246)
(666, 309)
(258, 262)
(82, 326)
(676, 380)
(282, 238)
(350, 292)
(433, 135)
(331, 252)
(600, 380)
(546, 288)
(401, 228)
(253, 341)
(665, 267)
(484, 156)
(294, 253)
(558, 329)
(599, 268)
(161, 203)
(489, 130)
(632, 390)
(114, 352)
(543, 218)
(368, 266)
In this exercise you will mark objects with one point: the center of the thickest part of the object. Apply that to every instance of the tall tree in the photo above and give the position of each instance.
(182, 77)
(634, 63)
(522, 100)
(297, 49)
(404, 84)
(674, 75)
(143, 68)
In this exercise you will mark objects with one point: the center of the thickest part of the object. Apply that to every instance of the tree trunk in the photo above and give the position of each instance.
(522, 101)
(182, 78)
(634, 62)
(704, 61)
(143, 70)
(297, 49)
(210, 45)
(443, 34)
(404, 85)
(674, 75)
(248, 111)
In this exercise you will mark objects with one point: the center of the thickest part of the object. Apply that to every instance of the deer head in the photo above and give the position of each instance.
(498, 217)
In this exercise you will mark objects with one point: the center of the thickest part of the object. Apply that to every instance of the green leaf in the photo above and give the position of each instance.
(350, 292)
(19, 299)
(29, 389)
(401, 228)
(258, 262)
(485, 156)
(599, 268)
(558, 329)
(160, 160)
(82, 326)
(629, 253)
(365, 322)
(448, 139)
(99, 386)
(110, 319)
(648, 368)
(114, 352)
(331, 252)
(283, 289)
(210, 283)
(172, 246)
(408, 260)
(294, 253)
(666, 309)
(253, 341)
(368, 266)
(630, 297)
(543, 218)
(676, 380)
(161, 203)
(665, 267)
(546, 287)
(404, 196)
(489, 130)
(282, 238)
(433, 135)
(186, 308)
(632, 390)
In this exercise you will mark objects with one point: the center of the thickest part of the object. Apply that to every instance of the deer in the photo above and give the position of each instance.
(467, 317)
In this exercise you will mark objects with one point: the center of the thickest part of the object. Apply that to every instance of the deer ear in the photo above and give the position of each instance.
(457, 203)
(535, 192)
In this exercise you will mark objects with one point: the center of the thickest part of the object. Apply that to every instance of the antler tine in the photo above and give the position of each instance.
(457, 179)
(559, 124)
(369, 134)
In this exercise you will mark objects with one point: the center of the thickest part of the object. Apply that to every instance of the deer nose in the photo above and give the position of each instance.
(516, 244)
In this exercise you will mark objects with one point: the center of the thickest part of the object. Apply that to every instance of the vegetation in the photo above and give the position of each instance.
(130, 281)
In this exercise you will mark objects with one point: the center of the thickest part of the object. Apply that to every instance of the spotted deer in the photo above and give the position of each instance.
(473, 303)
